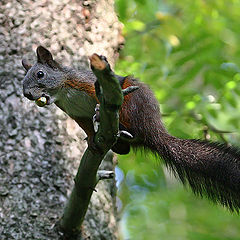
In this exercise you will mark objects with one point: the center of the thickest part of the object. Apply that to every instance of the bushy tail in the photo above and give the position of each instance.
(210, 169)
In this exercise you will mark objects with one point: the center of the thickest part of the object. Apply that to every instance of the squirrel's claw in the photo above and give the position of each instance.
(130, 89)
(125, 135)
(96, 118)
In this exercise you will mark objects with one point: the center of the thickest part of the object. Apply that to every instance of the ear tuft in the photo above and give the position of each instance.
(43, 55)
(26, 64)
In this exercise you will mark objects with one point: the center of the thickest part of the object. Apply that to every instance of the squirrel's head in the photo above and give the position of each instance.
(44, 78)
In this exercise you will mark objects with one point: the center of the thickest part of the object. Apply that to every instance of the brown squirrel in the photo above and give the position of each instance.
(211, 169)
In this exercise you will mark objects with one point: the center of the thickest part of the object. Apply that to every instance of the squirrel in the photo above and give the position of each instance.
(209, 168)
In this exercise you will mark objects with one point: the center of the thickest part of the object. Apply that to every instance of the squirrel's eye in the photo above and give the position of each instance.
(40, 74)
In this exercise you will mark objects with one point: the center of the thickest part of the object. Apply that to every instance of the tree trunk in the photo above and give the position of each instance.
(40, 148)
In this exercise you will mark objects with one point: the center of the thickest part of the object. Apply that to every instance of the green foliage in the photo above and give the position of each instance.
(188, 53)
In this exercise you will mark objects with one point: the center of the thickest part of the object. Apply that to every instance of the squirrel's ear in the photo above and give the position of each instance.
(45, 57)
(26, 64)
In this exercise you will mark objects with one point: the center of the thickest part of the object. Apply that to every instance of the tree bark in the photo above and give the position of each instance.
(40, 148)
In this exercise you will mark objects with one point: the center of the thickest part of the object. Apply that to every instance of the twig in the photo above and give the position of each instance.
(109, 93)
(208, 126)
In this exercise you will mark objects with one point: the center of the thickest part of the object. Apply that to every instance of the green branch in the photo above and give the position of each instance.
(110, 96)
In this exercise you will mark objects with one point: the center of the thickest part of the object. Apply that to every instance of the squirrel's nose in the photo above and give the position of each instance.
(28, 94)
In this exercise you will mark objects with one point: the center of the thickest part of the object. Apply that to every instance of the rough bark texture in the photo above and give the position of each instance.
(40, 148)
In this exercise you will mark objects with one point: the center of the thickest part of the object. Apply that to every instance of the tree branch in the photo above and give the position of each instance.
(110, 96)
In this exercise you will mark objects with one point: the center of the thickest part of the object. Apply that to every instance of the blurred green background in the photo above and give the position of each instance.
(188, 52)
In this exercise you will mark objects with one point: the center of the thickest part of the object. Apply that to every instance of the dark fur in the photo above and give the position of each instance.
(210, 169)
